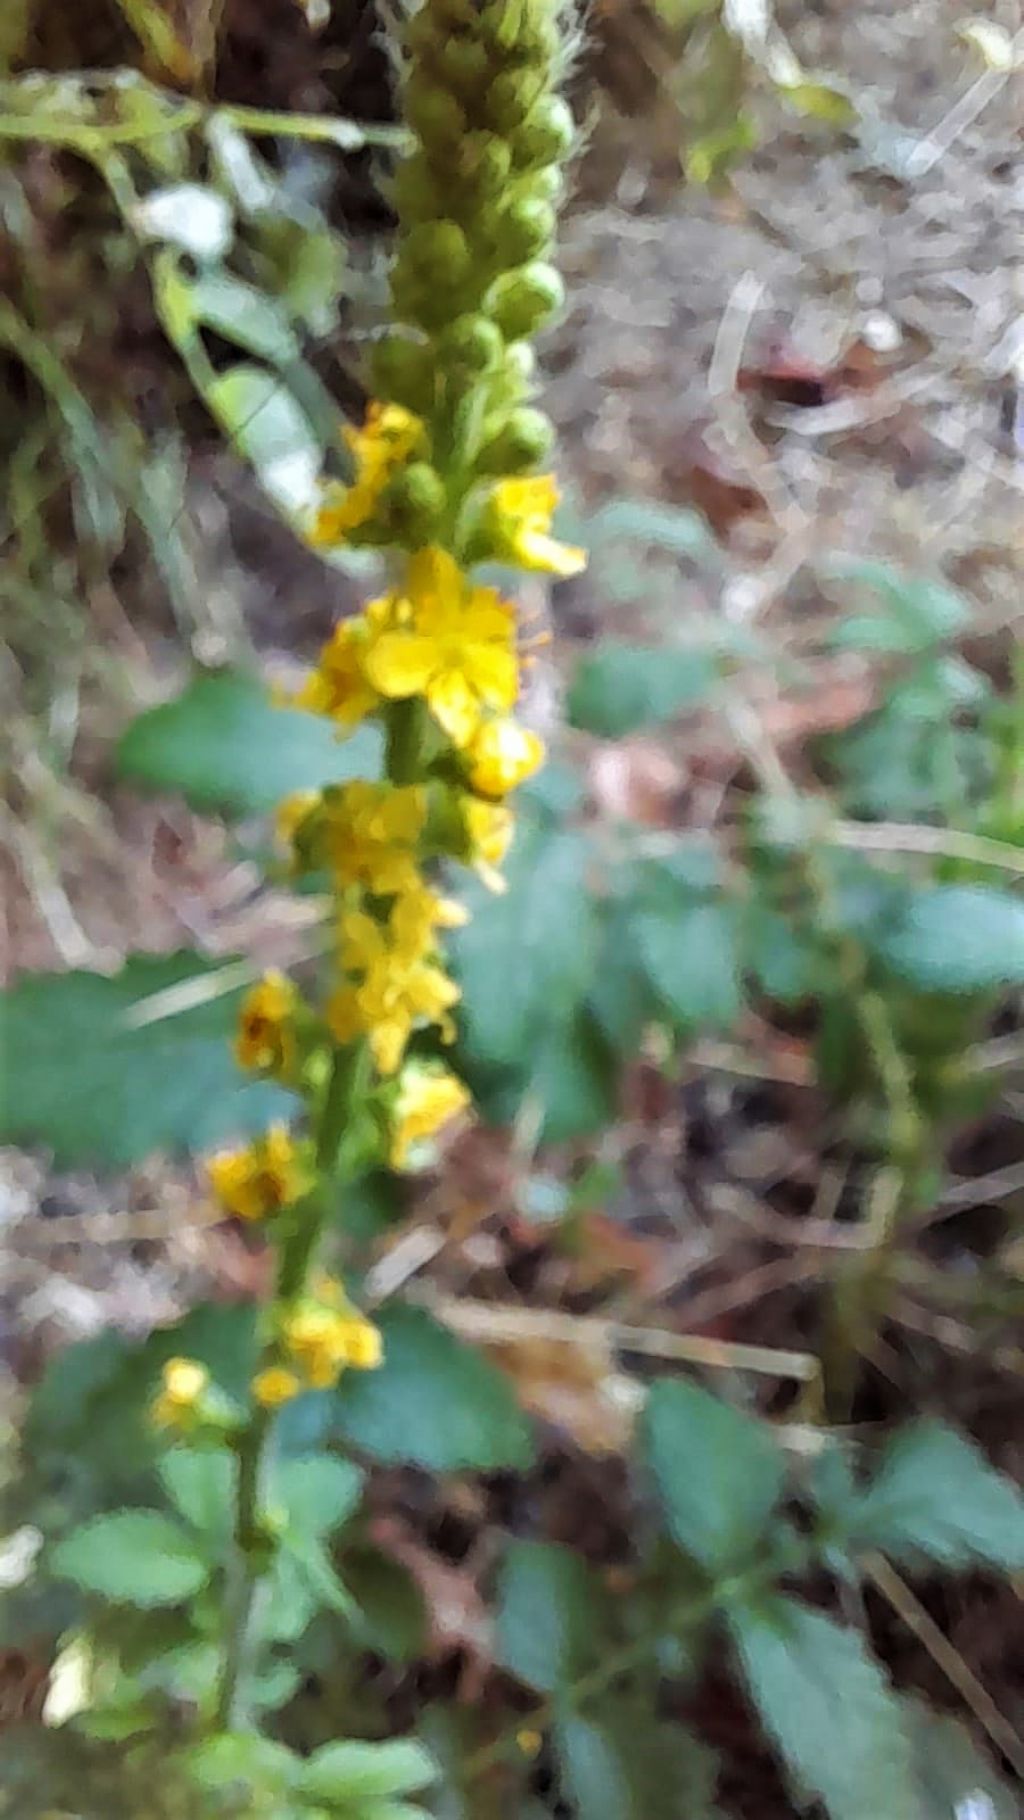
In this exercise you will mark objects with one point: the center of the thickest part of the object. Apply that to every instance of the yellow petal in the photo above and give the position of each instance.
(400, 664)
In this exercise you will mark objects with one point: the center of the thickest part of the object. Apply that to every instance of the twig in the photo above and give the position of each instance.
(938, 843)
(938, 140)
(948, 1659)
(498, 1323)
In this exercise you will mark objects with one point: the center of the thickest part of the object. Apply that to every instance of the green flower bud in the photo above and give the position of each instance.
(520, 301)
(485, 162)
(546, 184)
(465, 65)
(415, 501)
(403, 370)
(436, 250)
(521, 361)
(528, 29)
(474, 343)
(546, 137)
(524, 440)
(523, 231)
(510, 98)
(414, 192)
(434, 115)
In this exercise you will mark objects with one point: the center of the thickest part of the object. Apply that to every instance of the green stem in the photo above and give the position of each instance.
(250, 1557)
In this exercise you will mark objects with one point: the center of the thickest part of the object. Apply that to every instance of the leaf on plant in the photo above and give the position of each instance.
(956, 1782)
(434, 1402)
(269, 427)
(242, 314)
(620, 687)
(319, 1492)
(549, 1615)
(935, 1494)
(233, 1759)
(169, 1084)
(392, 1617)
(919, 612)
(829, 1709)
(525, 958)
(621, 1763)
(133, 1557)
(955, 939)
(692, 963)
(719, 1472)
(358, 1773)
(225, 746)
(200, 1483)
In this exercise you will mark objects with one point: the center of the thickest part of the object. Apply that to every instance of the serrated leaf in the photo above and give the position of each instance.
(225, 746)
(200, 1483)
(955, 1781)
(829, 1709)
(243, 1758)
(319, 1492)
(622, 1763)
(170, 1084)
(692, 963)
(955, 939)
(133, 1557)
(619, 688)
(525, 958)
(434, 1402)
(357, 1773)
(935, 1494)
(549, 1614)
(719, 1472)
(922, 612)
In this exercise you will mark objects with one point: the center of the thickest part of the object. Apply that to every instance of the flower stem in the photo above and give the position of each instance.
(250, 1556)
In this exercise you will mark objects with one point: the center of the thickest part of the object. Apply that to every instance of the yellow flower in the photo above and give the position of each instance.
(295, 810)
(266, 1035)
(338, 686)
(261, 1179)
(321, 1340)
(518, 516)
(370, 835)
(502, 755)
(275, 1385)
(427, 1099)
(448, 641)
(415, 916)
(184, 1382)
(489, 828)
(384, 444)
(396, 988)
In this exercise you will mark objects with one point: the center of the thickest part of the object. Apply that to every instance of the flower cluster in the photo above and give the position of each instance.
(317, 1339)
(443, 473)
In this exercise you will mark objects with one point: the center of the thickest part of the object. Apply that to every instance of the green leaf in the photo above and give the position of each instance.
(525, 958)
(676, 529)
(783, 962)
(570, 1079)
(828, 1708)
(619, 687)
(434, 1402)
(920, 613)
(200, 1482)
(719, 1473)
(392, 1616)
(956, 938)
(270, 429)
(622, 1763)
(819, 101)
(357, 1773)
(692, 962)
(225, 746)
(955, 1781)
(935, 1494)
(244, 1759)
(166, 1084)
(549, 1614)
(134, 1557)
(242, 314)
(318, 1491)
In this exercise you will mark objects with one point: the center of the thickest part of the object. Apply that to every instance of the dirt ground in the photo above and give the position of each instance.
(904, 241)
